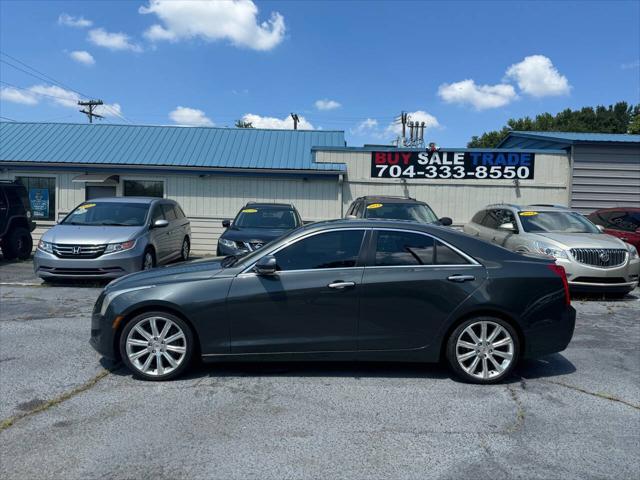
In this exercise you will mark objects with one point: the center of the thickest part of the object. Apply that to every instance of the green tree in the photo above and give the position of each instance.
(618, 118)
(243, 124)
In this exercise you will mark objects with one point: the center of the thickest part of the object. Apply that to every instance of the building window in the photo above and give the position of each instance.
(42, 196)
(99, 191)
(143, 188)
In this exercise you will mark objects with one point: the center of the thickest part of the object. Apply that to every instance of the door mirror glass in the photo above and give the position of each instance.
(507, 227)
(226, 223)
(161, 223)
(445, 221)
(600, 227)
(266, 265)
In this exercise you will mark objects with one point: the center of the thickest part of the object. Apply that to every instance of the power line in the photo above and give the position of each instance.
(47, 78)
(7, 118)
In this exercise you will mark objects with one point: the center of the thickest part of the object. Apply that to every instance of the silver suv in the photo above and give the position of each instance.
(593, 261)
(110, 237)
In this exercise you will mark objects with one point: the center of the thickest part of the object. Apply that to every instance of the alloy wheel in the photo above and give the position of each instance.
(147, 262)
(185, 250)
(156, 346)
(484, 350)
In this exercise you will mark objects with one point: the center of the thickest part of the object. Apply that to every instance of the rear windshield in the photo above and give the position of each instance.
(108, 214)
(416, 212)
(559, 222)
(257, 217)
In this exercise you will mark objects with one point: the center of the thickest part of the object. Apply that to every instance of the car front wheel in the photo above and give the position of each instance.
(483, 350)
(156, 346)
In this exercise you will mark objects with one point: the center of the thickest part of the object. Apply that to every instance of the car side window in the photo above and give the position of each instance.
(478, 217)
(157, 213)
(338, 249)
(448, 256)
(169, 212)
(506, 216)
(625, 221)
(492, 219)
(359, 209)
(180, 214)
(403, 248)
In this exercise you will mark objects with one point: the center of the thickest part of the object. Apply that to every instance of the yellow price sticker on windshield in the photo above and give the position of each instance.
(374, 205)
(528, 214)
(249, 210)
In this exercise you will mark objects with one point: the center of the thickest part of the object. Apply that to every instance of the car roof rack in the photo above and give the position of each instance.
(395, 197)
(547, 205)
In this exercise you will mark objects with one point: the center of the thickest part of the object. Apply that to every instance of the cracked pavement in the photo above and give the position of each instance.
(574, 415)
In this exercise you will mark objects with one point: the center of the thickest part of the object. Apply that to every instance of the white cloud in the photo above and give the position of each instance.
(13, 95)
(537, 77)
(326, 104)
(191, 117)
(54, 95)
(82, 56)
(71, 21)
(112, 41)
(481, 97)
(279, 124)
(366, 127)
(236, 21)
(418, 116)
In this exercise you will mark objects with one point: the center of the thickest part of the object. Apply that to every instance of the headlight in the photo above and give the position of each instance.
(119, 247)
(45, 246)
(633, 251)
(548, 249)
(109, 297)
(228, 243)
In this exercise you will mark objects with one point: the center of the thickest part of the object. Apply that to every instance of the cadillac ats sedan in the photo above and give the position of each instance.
(369, 290)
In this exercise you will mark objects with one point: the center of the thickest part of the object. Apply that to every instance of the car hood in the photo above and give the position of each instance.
(90, 235)
(583, 240)
(254, 234)
(188, 271)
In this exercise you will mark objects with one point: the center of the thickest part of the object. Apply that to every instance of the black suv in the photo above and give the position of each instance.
(256, 225)
(15, 221)
(395, 208)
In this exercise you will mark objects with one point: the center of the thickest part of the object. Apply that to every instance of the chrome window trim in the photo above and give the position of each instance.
(472, 261)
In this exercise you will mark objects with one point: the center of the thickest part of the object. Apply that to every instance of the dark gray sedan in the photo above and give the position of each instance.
(343, 290)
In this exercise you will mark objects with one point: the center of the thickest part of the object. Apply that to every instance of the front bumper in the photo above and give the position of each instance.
(109, 266)
(587, 278)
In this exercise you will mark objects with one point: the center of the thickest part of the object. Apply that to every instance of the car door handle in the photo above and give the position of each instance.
(341, 285)
(461, 278)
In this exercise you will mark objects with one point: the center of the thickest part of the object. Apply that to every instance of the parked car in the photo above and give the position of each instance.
(394, 208)
(342, 290)
(255, 225)
(623, 223)
(16, 224)
(110, 237)
(594, 261)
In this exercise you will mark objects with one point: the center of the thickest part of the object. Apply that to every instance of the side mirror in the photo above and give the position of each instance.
(350, 217)
(266, 265)
(445, 221)
(226, 223)
(160, 223)
(508, 227)
(601, 228)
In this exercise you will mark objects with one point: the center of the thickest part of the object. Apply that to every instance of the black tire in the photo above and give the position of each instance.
(483, 351)
(141, 320)
(144, 265)
(184, 257)
(17, 244)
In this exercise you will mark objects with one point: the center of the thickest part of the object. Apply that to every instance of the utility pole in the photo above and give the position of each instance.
(92, 104)
(295, 120)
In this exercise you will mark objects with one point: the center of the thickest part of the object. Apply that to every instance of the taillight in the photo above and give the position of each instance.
(559, 270)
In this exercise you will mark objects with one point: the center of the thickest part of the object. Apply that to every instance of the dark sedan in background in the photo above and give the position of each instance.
(343, 290)
(256, 225)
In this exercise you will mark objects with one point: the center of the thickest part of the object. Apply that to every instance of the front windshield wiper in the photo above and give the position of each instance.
(113, 224)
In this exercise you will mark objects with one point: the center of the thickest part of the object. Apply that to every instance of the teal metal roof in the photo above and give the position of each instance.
(166, 146)
(544, 140)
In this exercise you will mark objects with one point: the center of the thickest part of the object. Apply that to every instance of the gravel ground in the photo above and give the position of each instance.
(64, 413)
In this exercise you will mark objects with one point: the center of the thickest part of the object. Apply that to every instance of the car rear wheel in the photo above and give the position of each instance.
(17, 244)
(148, 260)
(184, 251)
(156, 346)
(483, 350)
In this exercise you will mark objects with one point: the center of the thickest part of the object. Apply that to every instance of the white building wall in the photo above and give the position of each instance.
(458, 199)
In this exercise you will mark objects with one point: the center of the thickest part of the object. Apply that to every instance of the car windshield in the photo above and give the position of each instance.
(560, 222)
(257, 217)
(417, 212)
(109, 214)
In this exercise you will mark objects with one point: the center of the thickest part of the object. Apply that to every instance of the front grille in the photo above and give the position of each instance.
(78, 251)
(600, 257)
(250, 246)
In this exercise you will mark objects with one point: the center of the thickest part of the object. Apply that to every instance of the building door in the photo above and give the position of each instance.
(99, 191)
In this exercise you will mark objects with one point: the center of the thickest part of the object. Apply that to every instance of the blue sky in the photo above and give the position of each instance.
(462, 67)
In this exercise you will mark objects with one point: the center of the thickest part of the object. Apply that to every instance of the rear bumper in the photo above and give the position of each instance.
(550, 335)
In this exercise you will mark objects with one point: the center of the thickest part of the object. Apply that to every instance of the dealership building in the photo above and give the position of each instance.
(213, 172)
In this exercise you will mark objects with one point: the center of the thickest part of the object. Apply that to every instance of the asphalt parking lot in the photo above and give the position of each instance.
(64, 413)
